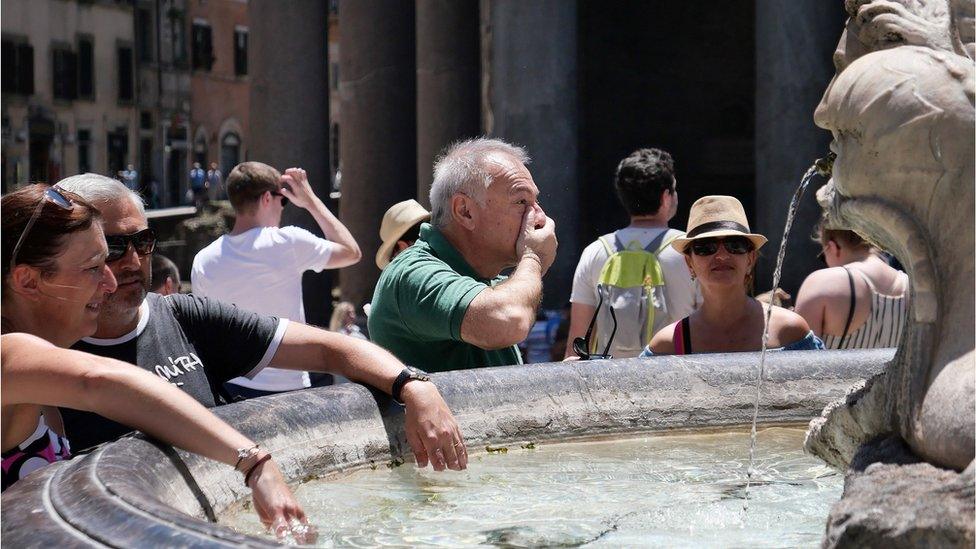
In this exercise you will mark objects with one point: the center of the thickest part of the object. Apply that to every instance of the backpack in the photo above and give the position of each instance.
(632, 285)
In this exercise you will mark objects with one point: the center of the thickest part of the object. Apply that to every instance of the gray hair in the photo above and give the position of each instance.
(463, 169)
(99, 189)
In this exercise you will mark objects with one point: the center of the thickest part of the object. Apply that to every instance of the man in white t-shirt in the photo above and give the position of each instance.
(647, 189)
(259, 266)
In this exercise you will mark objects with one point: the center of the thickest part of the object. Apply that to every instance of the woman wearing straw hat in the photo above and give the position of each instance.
(721, 252)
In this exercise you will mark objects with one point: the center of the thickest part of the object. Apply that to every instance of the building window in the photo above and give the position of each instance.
(203, 57)
(144, 35)
(334, 76)
(177, 37)
(230, 152)
(64, 73)
(118, 150)
(240, 51)
(126, 84)
(84, 151)
(86, 67)
(18, 67)
(145, 120)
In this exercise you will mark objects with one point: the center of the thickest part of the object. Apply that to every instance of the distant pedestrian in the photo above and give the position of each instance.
(215, 181)
(343, 321)
(165, 276)
(198, 185)
(152, 192)
(130, 178)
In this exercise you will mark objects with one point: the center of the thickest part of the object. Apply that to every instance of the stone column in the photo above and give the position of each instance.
(448, 83)
(290, 111)
(794, 46)
(532, 101)
(378, 147)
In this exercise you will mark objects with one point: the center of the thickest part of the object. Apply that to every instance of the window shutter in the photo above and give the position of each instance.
(8, 66)
(208, 55)
(25, 69)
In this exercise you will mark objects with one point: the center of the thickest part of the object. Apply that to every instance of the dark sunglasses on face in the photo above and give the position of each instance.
(143, 241)
(284, 199)
(736, 245)
(52, 195)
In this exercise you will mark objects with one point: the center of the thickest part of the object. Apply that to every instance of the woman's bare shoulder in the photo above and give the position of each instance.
(19, 341)
(663, 341)
(788, 326)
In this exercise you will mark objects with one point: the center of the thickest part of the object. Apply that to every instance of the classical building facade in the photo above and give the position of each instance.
(163, 60)
(68, 89)
(220, 84)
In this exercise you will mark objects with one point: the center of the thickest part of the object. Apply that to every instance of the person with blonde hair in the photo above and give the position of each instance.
(858, 301)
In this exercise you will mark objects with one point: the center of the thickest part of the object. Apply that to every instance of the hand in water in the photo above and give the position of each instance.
(432, 432)
(277, 507)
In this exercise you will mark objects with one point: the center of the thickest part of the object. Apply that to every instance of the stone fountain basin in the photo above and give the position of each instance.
(136, 492)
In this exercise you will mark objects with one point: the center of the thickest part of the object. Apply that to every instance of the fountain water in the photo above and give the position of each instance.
(822, 167)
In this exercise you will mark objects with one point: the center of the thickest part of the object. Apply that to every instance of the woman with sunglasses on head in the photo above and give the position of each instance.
(54, 281)
(721, 253)
(858, 301)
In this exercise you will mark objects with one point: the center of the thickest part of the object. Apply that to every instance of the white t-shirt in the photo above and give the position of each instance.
(261, 270)
(681, 293)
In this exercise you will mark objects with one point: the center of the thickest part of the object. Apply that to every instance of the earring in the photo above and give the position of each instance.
(693, 275)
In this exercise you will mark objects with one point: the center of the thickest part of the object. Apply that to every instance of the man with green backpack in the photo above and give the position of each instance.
(630, 283)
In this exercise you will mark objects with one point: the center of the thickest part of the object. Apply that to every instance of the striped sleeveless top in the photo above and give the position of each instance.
(884, 324)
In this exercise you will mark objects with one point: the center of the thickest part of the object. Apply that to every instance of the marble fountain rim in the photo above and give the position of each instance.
(137, 492)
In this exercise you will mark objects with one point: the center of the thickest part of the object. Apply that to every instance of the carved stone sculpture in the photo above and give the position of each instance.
(901, 111)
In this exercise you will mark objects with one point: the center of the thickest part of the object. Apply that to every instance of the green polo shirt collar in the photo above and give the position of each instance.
(441, 247)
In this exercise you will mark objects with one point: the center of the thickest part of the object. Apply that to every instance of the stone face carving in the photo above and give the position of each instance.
(901, 110)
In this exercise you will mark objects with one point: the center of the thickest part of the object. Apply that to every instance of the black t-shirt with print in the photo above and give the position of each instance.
(194, 343)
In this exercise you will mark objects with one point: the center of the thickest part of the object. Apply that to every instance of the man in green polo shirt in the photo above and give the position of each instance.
(441, 304)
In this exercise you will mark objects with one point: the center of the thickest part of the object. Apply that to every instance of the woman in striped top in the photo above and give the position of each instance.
(859, 301)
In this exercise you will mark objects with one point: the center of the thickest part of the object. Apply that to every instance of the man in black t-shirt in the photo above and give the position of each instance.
(175, 338)
(198, 344)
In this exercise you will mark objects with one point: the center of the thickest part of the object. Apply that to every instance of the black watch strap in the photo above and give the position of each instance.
(408, 374)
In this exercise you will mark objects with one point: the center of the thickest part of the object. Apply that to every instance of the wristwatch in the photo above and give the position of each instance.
(408, 374)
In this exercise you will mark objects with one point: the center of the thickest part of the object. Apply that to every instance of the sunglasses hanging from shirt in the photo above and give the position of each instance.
(582, 344)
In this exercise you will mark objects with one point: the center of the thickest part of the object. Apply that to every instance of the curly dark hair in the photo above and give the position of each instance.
(641, 178)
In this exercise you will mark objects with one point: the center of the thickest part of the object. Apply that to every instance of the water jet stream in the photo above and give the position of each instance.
(821, 166)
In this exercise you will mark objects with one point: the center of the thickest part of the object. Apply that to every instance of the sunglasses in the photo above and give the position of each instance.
(735, 245)
(581, 345)
(284, 199)
(51, 195)
(143, 241)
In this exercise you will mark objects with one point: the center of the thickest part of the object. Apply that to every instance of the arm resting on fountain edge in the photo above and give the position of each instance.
(431, 430)
(36, 372)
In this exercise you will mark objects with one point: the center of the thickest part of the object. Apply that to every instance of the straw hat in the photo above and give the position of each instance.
(717, 216)
(397, 221)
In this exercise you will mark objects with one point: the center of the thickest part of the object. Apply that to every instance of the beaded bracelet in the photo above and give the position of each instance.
(247, 477)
